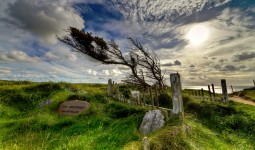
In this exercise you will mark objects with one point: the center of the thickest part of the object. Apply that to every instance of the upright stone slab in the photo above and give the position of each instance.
(109, 88)
(224, 90)
(176, 93)
(72, 108)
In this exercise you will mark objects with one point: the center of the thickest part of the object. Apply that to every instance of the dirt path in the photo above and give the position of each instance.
(240, 100)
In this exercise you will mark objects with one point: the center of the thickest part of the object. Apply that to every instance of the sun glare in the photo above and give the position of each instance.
(198, 34)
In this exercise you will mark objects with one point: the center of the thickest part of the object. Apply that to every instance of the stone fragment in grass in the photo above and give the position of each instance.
(45, 103)
(152, 121)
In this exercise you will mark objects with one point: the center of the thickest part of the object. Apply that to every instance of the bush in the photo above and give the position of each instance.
(165, 100)
(117, 110)
(125, 91)
(77, 97)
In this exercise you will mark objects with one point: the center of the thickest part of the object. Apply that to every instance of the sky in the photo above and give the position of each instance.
(203, 40)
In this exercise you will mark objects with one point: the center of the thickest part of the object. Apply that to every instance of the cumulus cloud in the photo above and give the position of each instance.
(91, 72)
(153, 23)
(5, 71)
(60, 54)
(159, 25)
(230, 68)
(176, 63)
(71, 57)
(113, 72)
(233, 68)
(44, 19)
(244, 56)
(51, 56)
(192, 66)
(106, 72)
(124, 68)
(16, 55)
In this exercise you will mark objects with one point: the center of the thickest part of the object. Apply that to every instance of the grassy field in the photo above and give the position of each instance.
(112, 125)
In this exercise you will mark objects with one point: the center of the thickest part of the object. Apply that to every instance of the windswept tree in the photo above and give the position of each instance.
(144, 65)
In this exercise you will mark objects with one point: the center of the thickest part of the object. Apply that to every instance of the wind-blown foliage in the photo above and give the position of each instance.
(144, 65)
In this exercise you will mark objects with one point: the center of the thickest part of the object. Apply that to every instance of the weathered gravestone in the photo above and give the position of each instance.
(175, 81)
(152, 121)
(74, 107)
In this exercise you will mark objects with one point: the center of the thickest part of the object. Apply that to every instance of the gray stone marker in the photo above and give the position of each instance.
(176, 93)
(224, 90)
(72, 108)
(152, 121)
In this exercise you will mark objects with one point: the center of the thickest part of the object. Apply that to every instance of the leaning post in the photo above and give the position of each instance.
(175, 81)
(209, 90)
(232, 89)
(213, 90)
(202, 91)
(224, 90)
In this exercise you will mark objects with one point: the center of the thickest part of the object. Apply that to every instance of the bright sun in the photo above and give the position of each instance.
(198, 34)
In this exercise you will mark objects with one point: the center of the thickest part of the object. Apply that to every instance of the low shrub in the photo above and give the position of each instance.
(117, 110)
(125, 91)
(165, 100)
(77, 97)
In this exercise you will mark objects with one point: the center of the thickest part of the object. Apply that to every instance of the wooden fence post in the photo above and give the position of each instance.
(156, 96)
(175, 81)
(109, 88)
(202, 91)
(209, 90)
(224, 90)
(213, 90)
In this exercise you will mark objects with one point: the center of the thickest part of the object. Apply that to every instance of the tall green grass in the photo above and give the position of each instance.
(26, 125)
(113, 125)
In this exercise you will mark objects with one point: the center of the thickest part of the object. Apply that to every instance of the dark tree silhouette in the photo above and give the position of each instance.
(145, 66)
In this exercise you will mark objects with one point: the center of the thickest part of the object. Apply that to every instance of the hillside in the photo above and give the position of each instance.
(24, 124)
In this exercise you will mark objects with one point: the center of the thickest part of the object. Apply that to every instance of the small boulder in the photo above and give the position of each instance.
(152, 121)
